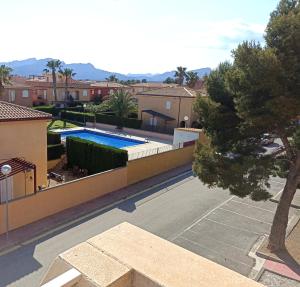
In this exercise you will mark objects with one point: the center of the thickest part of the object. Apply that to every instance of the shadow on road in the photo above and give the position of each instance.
(22, 266)
(130, 205)
(21, 262)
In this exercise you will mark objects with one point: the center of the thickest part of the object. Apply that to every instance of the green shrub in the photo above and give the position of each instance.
(77, 116)
(116, 121)
(53, 138)
(75, 109)
(48, 109)
(94, 157)
(55, 151)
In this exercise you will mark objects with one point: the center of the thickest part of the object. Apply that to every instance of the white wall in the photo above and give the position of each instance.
(181, 136)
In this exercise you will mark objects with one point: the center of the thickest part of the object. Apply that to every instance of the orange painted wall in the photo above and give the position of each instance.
(147, 167)
(26, 140)
(52, 200)
(55, 199)
(158, 104)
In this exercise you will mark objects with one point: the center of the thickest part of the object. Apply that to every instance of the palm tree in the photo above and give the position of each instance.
(67, 74)
(5, 72)
(53, 66)
(180, 74)
(122, 104)
(112, 78)
(191, 79)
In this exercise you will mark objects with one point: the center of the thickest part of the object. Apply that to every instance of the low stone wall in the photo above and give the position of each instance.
(126, 255)
(135, 132)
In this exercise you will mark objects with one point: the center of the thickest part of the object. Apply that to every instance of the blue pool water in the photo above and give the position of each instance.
(101, 138)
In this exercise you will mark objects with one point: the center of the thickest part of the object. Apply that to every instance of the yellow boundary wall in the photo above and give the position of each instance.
(52, 200)
(146, 167)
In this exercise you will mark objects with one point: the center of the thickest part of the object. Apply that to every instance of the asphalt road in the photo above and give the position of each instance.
(209, 222)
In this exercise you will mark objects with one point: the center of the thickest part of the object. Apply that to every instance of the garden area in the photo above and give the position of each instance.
(78, 158)
(120, 110)
(59, 124)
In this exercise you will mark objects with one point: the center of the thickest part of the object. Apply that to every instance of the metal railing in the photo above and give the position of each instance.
(153, 151)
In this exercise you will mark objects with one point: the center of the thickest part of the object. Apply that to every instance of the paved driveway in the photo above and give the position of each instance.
(227, 233)
(209, 222)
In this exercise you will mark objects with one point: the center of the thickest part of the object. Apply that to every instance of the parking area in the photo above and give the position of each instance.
(227, 233)
(209, 222)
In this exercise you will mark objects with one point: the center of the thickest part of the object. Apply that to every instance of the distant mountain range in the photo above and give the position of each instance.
(87, 71)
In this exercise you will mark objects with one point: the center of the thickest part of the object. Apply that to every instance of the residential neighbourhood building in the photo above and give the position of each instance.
(43, 90)
(167, 108)
(102, 89)
(23, 146)
(19, 92)
(142, 87)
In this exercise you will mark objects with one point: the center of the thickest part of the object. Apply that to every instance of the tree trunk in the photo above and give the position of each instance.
(66, 90)
(54, 85)
(280, 221)
(1, 92)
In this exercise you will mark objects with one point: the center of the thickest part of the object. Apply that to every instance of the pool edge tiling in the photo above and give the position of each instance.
(104, 138)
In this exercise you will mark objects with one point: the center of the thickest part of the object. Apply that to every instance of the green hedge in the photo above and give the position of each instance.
(77, 116)
(76, 109)
(53, 138)
(116, 121)
(55, 151)
(48, 109)
(94, 157)
(55, 111)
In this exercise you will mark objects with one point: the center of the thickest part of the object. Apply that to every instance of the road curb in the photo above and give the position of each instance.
(258, 268)
(66, 223)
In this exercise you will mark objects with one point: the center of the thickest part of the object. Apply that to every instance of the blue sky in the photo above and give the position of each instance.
(131, 36)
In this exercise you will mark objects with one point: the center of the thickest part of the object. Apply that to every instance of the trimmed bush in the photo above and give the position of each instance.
(94, 157)
(116, 121)
(55, 151)
(76, 109)
(48, 109)
(77, 116)
(53, 138)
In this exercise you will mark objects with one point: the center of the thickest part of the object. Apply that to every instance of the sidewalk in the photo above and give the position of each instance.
(285, 263)
(38, 229)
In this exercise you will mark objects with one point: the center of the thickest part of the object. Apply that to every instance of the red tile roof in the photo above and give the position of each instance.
(12, 112)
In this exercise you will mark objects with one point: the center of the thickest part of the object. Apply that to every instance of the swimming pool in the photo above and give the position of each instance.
(102, 138)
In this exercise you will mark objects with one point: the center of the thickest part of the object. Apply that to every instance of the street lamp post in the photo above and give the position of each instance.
(6, 170)
(186, 118)
(84, 106)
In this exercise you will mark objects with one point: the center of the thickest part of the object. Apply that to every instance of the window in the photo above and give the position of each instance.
(84, 93)
(168, 105)
(25, 94)
(153, 121)
(45, 94)
(99, 92)
(111, 91)
(11, 95)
